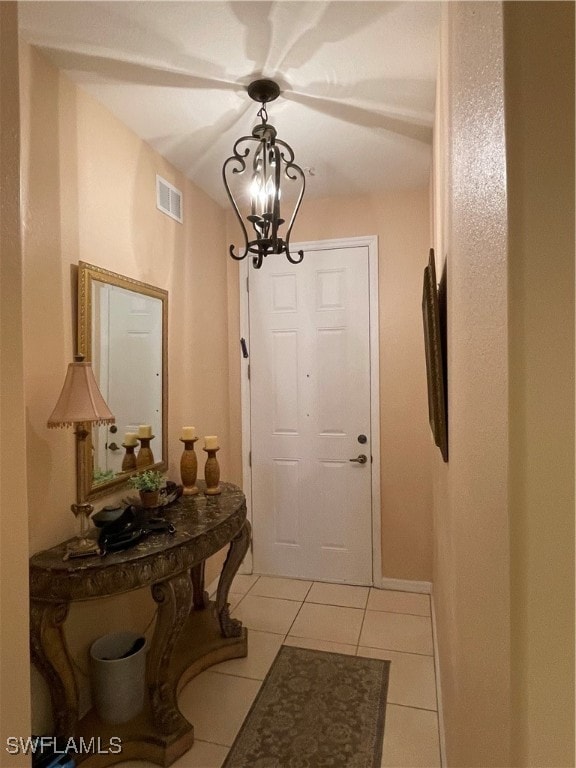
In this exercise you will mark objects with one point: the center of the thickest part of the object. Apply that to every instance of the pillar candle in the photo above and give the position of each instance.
(211, 442)
(144, 430)
(130, 438)
(188, 433)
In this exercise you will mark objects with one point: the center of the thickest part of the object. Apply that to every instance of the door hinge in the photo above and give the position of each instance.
(248, 371)
(249, 458)
(247, 286)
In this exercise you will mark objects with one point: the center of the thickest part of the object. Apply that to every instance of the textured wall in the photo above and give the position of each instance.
(504, 506)
(471, 537)
(539, 45)
(14, 677)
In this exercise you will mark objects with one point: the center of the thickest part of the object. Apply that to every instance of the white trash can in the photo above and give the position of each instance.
(118, 663)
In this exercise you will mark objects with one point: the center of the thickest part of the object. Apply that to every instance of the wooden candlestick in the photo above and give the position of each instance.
(212, 472)
(189, 467)
(129, 460)
(145, 457)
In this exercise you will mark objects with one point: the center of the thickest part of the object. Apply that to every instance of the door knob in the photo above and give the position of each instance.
(113, 447)
(361, 459)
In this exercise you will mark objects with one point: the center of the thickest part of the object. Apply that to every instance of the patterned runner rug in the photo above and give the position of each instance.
(315, 710)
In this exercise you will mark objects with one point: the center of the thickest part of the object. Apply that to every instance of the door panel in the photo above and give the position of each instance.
(285, 386)
(310, 399)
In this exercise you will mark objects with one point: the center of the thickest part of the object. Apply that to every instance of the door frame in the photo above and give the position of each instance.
(371, 242)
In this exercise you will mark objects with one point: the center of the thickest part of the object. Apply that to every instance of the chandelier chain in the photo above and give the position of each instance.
(263, 114)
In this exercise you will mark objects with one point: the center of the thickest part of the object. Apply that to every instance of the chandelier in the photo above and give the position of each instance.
(271, 171)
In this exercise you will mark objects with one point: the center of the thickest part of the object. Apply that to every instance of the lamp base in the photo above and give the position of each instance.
(81, 548)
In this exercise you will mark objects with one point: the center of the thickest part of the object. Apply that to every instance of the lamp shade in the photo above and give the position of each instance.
(80, 399)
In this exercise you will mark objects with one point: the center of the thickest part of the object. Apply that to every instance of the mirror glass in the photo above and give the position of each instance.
(122, 331)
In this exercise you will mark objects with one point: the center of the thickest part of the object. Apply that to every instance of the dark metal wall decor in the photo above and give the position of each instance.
(435, 346)
(271, 165)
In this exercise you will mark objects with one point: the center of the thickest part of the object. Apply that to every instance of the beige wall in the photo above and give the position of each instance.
(89, 194)
(401, 222)
(504, 506)
(14, 677)
(539, 46)
(471, 536)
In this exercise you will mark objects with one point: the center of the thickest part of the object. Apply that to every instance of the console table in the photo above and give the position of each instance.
(191, 632)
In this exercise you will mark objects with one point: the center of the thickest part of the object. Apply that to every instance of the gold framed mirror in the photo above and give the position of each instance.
(123, 332)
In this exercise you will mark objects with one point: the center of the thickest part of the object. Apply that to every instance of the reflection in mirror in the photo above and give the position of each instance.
(122, 332)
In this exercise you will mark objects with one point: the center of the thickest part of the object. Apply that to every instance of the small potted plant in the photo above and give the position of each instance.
(148, 483)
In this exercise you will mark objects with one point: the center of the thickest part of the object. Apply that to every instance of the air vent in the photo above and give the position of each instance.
(168, 199)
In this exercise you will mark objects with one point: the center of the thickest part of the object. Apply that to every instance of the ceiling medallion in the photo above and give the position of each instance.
(271, 166)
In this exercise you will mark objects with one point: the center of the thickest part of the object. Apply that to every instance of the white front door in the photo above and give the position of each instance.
(310, 416)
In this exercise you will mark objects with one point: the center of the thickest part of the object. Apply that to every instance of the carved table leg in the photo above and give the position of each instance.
(238, 548)
(174, 598)
(50, 655)
(201, 598)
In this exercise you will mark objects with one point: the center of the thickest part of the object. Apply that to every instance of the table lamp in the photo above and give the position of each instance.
(80, 405)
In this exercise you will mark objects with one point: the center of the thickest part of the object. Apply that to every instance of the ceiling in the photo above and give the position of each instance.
(357, 80)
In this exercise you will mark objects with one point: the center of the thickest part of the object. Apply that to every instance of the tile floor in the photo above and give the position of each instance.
(356, 620)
